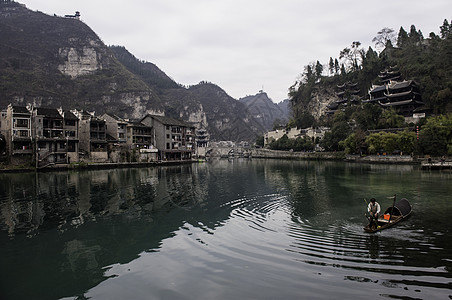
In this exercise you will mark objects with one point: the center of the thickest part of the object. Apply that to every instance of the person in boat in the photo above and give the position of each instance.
(374, 210)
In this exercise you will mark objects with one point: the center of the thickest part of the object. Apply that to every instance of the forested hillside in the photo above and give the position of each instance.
(426, 60)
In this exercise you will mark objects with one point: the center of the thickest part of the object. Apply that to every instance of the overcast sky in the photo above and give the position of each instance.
(244, 46)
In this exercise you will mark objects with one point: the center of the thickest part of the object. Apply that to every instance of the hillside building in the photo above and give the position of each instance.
(403, 96)
(314, 133)
(347, 94)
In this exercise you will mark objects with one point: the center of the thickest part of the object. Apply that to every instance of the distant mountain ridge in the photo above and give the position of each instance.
(204, 104)
(264, 110)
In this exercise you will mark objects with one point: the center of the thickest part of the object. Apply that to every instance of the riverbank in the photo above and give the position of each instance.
(278, 154)
(425, 163)
(92, 166)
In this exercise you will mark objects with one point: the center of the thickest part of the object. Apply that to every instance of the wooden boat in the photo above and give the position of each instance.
(399, 211)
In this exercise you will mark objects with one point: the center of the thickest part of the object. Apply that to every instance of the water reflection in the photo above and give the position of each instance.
(282, 226)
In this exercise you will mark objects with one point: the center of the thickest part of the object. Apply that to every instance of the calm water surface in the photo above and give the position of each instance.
(240, 229)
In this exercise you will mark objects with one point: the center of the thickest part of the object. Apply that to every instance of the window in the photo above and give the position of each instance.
(21, 123)
(70, 133)
(168, 146)
(23, 133)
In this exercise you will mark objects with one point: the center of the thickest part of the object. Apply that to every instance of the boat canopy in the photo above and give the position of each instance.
(401, 208)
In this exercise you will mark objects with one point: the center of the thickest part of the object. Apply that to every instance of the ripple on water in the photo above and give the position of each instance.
(382, 259)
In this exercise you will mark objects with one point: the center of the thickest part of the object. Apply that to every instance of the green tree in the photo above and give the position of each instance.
(445, 29)
(435, 136)
(390, 119)
(367, 118)
(318, 69)
(354, 143)
(339, 132)
(389, 142)
(336, 66)
(260, 141)
(331, 66)
(402, 38)
(374, 143)
(407, 141)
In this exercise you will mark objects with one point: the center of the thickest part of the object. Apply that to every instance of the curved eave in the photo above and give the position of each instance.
(398, 103)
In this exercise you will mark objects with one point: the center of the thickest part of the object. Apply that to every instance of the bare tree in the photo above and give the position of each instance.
(352, 56)
(383, 37)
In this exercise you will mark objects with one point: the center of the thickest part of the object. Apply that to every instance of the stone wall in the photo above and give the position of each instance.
(267, 153)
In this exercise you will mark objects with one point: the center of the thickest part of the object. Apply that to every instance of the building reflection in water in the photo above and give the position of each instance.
(30, 202)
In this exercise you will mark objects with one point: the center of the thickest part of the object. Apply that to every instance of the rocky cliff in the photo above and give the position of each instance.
(54, 61)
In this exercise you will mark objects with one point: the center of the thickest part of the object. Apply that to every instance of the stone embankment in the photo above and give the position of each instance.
(427, 163)
(267, 153)
(384, 159)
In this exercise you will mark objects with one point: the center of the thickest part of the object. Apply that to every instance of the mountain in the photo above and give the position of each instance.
(54, 61)
(264, 110)
(204, 104)
(285, 107)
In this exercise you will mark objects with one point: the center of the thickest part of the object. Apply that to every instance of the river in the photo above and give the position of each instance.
(225, 229)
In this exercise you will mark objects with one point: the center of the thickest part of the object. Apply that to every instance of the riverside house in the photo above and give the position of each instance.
(92, 136)
(47, 136)
(18, 134)
(175, 139)
(56, 136)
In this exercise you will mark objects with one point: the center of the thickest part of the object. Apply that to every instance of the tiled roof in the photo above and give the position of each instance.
(20, 109)
(48, 112)
(69, 115)
(170, 121)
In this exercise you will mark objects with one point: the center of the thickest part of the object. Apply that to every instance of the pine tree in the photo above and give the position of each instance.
(331, 66)
(446, 29)
(402, 38)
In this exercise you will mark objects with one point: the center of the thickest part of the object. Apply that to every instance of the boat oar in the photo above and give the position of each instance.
(392, 208)
(368, 217)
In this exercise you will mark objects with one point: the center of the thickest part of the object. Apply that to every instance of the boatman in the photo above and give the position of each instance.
(374, 209)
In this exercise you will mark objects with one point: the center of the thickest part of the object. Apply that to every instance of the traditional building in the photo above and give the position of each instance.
(202, 142)
(347, 94)
(92, 136)
(18, 136)
(70, 131)
(271, 136)
(174, 139)
(314, 133)
(3, 131)
(47, 130)
(116, 127)
(140, 138)
(388, 75)
(403, 96)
